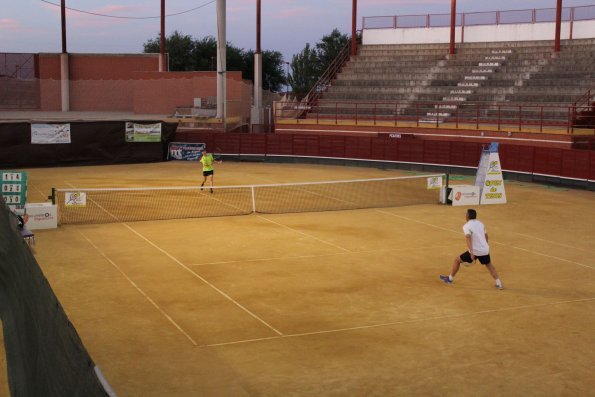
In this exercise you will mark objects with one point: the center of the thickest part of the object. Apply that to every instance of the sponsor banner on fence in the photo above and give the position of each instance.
(185, 151)
(143, 132)
(50, 133)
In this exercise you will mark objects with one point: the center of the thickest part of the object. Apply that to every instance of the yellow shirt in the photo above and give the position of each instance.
(207, 162)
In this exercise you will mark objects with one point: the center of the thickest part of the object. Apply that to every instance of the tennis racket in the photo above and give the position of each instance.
(217, 154)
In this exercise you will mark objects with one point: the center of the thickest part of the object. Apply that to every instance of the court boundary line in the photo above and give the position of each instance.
(318, 256)
(392, 323)
(140, 290)
(552, 242)
(205, 281)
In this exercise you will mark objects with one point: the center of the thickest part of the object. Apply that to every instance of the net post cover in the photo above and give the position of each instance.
(44, 354)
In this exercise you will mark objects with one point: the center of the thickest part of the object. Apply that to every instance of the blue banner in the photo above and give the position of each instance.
(185, 151)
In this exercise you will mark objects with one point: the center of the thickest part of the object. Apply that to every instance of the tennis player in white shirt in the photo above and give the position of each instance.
(477, 242)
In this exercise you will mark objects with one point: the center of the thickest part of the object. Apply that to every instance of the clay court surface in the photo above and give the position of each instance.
(341, 303)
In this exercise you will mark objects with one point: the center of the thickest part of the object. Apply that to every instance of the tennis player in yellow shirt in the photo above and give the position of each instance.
(207, 161)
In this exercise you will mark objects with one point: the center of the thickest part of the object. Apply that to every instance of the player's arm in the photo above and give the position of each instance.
(469, 245)
(486, 236)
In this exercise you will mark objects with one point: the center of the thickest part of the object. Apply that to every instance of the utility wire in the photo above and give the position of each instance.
(120, 17)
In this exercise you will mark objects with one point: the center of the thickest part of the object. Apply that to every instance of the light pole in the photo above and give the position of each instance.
(287, 78)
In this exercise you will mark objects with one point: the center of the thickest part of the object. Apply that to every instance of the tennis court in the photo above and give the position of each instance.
(338, 303)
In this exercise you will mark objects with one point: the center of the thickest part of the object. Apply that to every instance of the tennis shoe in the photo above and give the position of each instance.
(499, 286)
(445, 279)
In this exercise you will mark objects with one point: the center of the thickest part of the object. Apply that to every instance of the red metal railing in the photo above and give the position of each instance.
(329, 75)
(537, 15)
(507, 117)
(583, 110)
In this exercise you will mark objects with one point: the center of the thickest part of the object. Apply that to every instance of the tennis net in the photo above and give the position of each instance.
(106, 205)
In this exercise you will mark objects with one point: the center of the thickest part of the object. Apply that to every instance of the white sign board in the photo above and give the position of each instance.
(41, 216)
(464, 195)
(50, 133)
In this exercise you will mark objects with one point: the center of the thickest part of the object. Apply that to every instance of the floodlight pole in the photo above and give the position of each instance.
(162, 39)
(354, 28)
(257, 111)
(221, 61)
(64, 72)
(558, 26)
(453, 24)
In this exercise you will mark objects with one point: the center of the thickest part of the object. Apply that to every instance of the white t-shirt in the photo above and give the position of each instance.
(477, 231)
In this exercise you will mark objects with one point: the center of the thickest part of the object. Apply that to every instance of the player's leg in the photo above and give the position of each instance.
(204, 179)
(494, 274)
(211, 181)
(464, 257)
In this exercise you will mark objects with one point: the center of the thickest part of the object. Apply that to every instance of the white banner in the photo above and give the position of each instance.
(434, 182)
(143, 132)
(75, 199)
(464, 195)
(50, 133)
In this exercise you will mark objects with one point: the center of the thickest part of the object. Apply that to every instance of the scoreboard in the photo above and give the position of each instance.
(13, 186)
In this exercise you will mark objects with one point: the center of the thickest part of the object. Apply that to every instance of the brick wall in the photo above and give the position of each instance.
(132, 83)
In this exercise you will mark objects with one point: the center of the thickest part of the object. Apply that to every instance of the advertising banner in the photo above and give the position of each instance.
(435, 182)
(75, 199)
(464, 195)
(44, 134)
(42, 216)
(185, 151)
(143, 132)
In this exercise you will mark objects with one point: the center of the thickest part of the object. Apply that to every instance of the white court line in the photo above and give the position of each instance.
(491, 241)
(547, 256)
(97, 204)
(552, 242)
(203, 280)
(304, 234)
(389, 324)
(167, 316)
(319, 255)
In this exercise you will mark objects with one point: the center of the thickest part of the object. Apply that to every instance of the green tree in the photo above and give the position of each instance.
(179, 48)
(304, 70)
(273, 72)
(187, 54)
(311, 63)
(204, 54)
(329, 47)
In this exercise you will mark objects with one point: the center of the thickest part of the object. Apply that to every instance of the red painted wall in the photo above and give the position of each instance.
(565, 163)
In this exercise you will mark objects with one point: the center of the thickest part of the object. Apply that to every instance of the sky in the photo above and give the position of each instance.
(32, 26)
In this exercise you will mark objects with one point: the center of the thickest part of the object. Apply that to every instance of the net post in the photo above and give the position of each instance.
(253, 199)
(53, 196)
(445, 189)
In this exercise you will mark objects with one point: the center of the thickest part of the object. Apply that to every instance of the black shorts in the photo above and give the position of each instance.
(207, 173)
(483, 259)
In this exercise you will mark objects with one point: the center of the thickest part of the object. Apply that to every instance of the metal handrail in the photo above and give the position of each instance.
(427, 18)
(329, 74)
(505, 116)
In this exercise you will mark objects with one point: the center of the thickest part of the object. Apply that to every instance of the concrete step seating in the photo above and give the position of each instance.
(520, 72)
